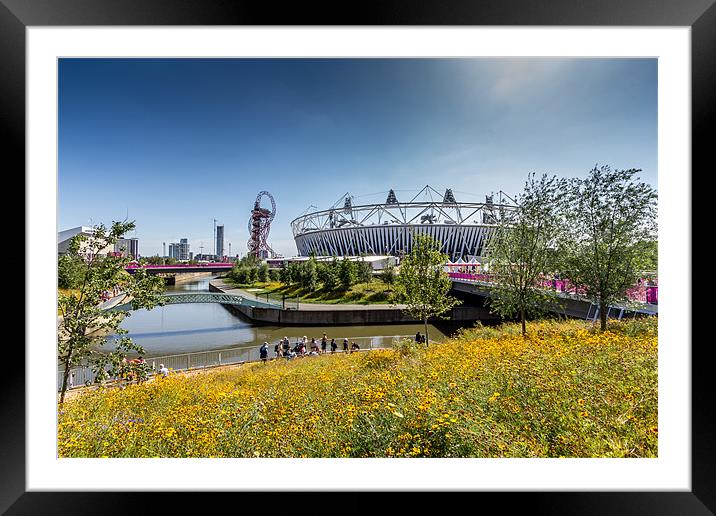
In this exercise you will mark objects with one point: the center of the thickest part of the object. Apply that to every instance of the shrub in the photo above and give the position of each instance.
(407, 346)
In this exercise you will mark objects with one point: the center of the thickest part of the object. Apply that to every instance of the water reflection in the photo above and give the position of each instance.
(187, 328)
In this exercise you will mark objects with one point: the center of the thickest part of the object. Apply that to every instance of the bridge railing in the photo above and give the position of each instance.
(205, 297)
(226, 265)
(83, 376)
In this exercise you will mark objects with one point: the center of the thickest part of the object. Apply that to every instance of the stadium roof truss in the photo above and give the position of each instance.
(371, 223)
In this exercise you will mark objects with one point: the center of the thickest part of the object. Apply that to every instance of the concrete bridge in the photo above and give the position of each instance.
(572, 304)
(181, 268)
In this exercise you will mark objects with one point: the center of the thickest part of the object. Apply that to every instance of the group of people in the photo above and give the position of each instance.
(134, 369)
(283, 348)
(138, 370)
(109, 294)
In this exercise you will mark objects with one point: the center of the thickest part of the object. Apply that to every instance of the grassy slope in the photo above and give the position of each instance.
(565, 391)
(374, 292)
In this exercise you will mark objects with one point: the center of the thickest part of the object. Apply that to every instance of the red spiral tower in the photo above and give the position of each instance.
(259, 226)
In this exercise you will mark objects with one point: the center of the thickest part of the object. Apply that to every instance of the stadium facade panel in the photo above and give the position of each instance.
(388, 228)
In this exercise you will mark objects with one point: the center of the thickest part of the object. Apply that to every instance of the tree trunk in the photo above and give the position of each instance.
(425, 322)
(65, 377)
(524, 322)
(603, 315)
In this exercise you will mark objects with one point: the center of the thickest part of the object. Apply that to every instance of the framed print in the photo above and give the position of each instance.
(264, 118)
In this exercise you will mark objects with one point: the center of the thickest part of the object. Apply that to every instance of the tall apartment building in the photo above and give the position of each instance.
(219, 241)
(129, 247)
(180, 250)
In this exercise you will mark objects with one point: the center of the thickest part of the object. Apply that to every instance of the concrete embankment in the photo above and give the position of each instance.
(314, 314)
(184, 277)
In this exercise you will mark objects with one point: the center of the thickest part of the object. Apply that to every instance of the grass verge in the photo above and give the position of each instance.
(374, 292)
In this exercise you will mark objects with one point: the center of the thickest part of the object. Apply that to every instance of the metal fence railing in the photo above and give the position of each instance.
(83, 376)
(284, 302)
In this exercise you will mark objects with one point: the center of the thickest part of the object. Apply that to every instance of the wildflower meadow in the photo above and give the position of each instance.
(566, 390)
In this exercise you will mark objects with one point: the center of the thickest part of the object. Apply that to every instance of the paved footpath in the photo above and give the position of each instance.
(228, 289)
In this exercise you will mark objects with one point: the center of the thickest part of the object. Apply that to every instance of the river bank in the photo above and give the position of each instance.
(316, 314)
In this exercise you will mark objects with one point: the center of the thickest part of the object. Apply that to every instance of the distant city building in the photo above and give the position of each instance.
(127, 247)
(219, 240)
(64, 238)
(180, 250)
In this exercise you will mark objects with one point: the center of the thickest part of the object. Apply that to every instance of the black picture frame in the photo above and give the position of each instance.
(700, 15)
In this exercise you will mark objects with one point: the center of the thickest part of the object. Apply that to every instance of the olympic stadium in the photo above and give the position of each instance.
(387, 228)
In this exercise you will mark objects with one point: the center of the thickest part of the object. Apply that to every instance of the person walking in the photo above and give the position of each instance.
(345, 344)
(324, 343)
(333, 345)
(263, 352)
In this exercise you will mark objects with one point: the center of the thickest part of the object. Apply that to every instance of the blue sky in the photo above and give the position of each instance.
(176, 143)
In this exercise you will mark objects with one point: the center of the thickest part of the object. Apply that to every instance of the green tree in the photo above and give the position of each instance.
(422, 284)
(242, 276)
(610, 213)
(85, 325)
(262, 272)
(252, 274)
(309, 274)
(155, 260)
(520, 250)
(285, 275)
(364, 272)
(294, 273)
(647, 253)
(346, 274)
(69, 271)
(328, 274)
(387, 275)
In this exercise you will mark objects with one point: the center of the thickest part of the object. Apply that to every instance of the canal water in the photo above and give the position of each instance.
(189, 328)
